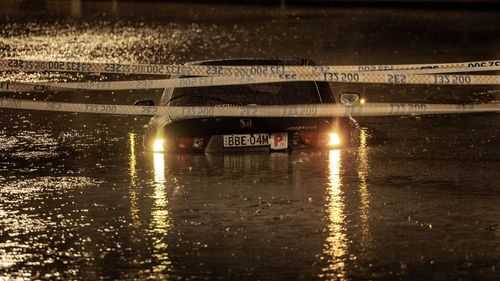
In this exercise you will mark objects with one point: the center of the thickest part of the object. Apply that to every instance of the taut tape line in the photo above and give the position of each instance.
(333, 77)
(258, 71)
(305, 110)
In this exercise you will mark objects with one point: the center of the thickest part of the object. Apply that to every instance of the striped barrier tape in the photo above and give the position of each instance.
(338, 77)
(132, 85)
(257, 71)
(305, 110)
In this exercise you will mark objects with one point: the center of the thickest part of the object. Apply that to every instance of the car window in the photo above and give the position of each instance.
(262, 94)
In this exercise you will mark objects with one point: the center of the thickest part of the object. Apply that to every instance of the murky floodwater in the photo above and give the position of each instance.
(418, 198)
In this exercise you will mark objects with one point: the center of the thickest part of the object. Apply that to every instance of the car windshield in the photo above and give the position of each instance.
(262, 94)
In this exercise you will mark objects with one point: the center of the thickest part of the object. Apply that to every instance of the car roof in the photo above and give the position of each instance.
(323, 86)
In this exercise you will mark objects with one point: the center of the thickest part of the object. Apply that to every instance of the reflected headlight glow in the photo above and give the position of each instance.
(158, 145)
(333, 139)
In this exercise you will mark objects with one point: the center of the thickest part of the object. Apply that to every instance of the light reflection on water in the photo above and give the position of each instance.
(134, 187)
(363, 169)
(337, 245)
(336, 242)
(33, 225)
(160, 224)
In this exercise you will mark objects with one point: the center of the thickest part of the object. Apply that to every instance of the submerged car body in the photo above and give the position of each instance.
(232, 134)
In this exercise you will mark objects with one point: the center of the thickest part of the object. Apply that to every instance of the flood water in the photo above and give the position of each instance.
(80, 198)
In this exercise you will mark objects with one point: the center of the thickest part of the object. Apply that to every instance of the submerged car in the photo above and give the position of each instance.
(249, 134)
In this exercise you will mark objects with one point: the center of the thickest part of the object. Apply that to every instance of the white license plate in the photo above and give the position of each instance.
(246, 140)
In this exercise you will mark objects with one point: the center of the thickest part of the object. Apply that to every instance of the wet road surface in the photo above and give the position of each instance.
(417, 198)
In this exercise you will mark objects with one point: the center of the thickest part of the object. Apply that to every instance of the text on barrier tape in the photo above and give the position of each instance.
(305, 110)
(340, 77)
(260, 71)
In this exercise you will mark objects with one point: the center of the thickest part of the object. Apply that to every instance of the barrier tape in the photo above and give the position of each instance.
(132, 85)
(339, 77)
(304, 110)
(262, 71)
(214, 75)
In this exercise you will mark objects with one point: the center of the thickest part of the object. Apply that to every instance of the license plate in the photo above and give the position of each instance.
(246, 140)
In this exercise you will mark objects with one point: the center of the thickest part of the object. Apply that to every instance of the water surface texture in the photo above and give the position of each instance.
(417, 199)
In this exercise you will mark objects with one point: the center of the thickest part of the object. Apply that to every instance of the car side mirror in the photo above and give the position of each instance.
(145, 103)
(349, 98)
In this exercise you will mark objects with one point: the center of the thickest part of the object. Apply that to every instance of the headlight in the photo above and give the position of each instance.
(158, 145)
(333, 139)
